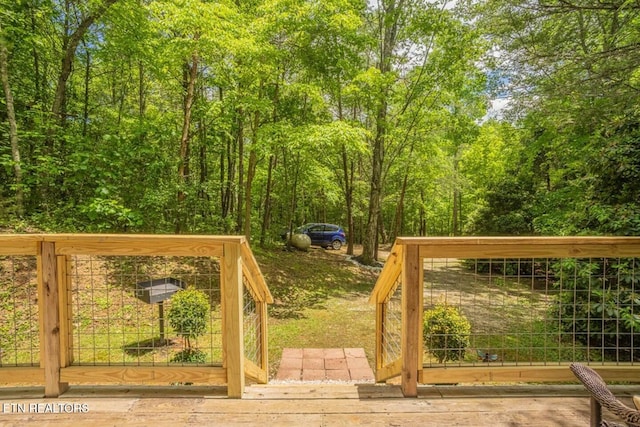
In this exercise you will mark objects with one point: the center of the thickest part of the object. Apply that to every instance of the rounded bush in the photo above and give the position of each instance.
(190, 355)
(188, 314)
(446, 332)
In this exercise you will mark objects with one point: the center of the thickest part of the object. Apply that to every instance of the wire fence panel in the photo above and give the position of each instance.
(533, 311)
(392, 325)
(19, 324)
(251, 326)
(115, 323)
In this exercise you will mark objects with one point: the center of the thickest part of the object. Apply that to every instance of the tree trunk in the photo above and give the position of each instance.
(13, 128)
(191, 74)
(251, 172)
(388, 27)
(203, 169)
(38, 96)
(455, 225)
(228, 179)
(267, 200)
(87, 78)
(348, 177)
(423, 221)
(370, 242)
(348, 171)
(142, 103)
(240, 186)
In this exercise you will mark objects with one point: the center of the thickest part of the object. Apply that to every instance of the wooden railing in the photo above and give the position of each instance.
(408, 277)
(54, 255)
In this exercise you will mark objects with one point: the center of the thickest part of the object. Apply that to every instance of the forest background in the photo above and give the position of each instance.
(249, 117)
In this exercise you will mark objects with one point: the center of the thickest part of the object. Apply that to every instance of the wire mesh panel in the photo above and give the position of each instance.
(114, 324)
(531, 311)
(19, 327)
(392, 324)
(251, 317)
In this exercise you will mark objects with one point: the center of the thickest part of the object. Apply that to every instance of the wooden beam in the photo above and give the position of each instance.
(19, 244)
(254, 372)
(20, 375)
(539, 374)
(50, 355)
(40, 292)
(66, 315)
(143, 374)
(390, 371)
(233, 333)
(412, 284)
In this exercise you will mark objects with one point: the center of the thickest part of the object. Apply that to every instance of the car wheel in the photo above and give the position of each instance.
(336, 244)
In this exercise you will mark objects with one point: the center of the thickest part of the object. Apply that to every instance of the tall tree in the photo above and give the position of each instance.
(390, 15)
(71, 38)
(13, 126)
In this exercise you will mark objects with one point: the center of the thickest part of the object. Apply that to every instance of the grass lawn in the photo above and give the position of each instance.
(321, 301)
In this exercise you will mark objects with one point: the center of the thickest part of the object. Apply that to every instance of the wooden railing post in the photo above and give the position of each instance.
(264, 340)
(65, 312)
(232, 332)
(50, 320)
(412, 284)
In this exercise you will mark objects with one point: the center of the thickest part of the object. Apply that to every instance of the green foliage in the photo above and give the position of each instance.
(305, 88)
(190, 355)
(110, 215)
(506, 210)
(189, 313)
(599, 305)
(446, 332)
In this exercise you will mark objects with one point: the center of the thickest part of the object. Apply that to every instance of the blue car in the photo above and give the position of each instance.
(325, 235)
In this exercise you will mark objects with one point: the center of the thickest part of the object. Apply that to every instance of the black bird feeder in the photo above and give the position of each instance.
(156, 292)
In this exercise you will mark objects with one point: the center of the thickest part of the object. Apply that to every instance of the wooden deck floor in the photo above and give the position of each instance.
(306, 405)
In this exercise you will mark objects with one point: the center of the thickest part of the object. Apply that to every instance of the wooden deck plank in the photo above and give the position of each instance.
(316, 405)
(317, 412)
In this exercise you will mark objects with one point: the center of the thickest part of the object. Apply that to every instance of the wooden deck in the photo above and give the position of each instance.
(307, 404)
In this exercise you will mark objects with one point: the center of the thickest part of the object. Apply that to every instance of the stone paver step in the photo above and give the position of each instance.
(324, 365)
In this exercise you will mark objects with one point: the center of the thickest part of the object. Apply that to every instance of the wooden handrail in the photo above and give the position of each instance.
(19, 244)
(523, 247)
(389, 274)
(256, 277)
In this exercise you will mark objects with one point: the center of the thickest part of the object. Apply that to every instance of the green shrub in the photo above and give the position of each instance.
(599, 305)
(189, 313)
(446, 332)
(190, 355)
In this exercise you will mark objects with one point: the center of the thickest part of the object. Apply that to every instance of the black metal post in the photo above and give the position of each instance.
(161, 315)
